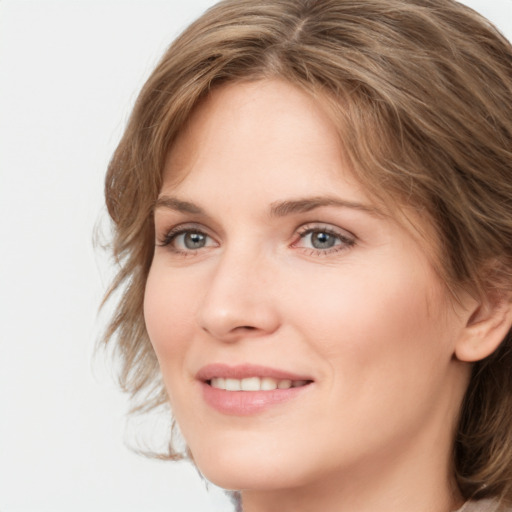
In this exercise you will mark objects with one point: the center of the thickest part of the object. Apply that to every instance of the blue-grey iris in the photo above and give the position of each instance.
(322, 240)
(194, 240)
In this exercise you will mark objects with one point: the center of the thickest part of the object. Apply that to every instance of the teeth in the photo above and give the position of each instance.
(255, 384)
(268, 384)
(233, 385)
(284, 384)
(250, 384)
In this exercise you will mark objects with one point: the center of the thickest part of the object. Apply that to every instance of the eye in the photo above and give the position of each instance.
(190, 240)
(187, 239)
(323, 239)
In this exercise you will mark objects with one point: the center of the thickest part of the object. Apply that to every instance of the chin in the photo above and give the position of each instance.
(252, 467)
(235, 478)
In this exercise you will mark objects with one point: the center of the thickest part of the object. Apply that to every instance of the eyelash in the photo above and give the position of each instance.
(346, 240)
(171, 235)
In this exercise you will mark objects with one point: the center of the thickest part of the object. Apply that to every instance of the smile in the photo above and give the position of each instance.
(248, 389)
(255, 383)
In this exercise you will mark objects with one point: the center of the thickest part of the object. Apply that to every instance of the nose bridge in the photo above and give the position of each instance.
(238, 299)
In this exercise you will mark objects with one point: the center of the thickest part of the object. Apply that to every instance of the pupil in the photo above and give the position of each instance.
(194, 240)
(322, 240)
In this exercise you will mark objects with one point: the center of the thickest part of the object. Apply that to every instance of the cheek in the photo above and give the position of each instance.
(386, 350)
(371, 318)
(168, 316)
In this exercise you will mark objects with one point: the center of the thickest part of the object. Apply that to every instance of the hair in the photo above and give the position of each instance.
(421, 91)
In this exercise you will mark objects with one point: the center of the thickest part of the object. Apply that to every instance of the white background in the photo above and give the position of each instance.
(69, 73)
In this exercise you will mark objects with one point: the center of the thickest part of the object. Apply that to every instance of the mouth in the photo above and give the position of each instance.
(255, 383)
(248, 389)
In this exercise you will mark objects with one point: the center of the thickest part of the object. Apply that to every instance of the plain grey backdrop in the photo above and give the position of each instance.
(69, 73)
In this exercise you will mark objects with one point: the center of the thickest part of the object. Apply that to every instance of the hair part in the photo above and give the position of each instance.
(421, 91)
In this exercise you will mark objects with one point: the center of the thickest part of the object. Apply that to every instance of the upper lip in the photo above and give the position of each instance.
(243, 371)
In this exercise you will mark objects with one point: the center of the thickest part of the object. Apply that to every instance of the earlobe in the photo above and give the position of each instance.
(486, 327)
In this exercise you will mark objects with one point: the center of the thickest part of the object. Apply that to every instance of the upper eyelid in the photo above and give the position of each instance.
(183, 226)
(331, 228)
(165, 223)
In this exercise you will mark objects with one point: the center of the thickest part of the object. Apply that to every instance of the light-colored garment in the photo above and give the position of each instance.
(483, 506)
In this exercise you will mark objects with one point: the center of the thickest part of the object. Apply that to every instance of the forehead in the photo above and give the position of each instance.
(264, 129)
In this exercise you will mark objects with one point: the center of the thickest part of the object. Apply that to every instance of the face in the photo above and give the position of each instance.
(301, 331)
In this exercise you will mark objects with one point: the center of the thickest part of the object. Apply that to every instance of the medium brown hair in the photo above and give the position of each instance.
(422, 93)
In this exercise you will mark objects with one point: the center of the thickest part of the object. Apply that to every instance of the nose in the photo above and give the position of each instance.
(239, 300)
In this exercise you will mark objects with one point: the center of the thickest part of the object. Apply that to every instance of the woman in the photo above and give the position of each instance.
(312, 210)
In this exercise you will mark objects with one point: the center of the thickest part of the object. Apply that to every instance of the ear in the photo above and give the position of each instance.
(488, 322)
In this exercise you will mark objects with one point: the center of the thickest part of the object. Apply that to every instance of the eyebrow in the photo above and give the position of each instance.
(283, 208)
(178, 205)
(277, 209)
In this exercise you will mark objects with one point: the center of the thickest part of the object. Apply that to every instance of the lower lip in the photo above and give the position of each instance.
(245, 403)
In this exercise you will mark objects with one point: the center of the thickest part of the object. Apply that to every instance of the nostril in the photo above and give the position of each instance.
(244, 329)
(230, 320)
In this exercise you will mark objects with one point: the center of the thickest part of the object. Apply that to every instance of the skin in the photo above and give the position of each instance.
(368, 319)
